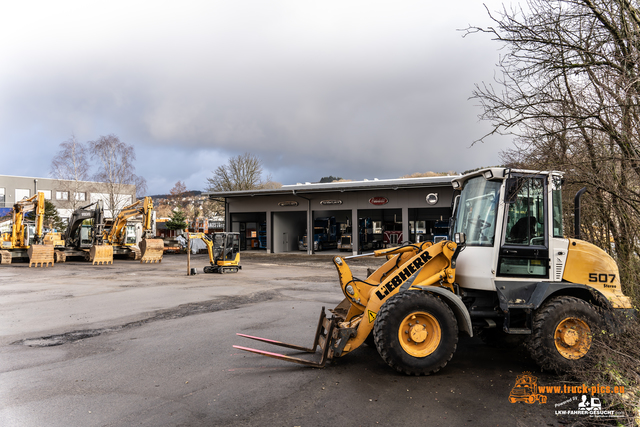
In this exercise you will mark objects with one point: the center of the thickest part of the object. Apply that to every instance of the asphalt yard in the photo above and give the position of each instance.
(145, 344)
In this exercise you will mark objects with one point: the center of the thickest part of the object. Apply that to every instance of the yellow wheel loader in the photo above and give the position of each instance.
(223, 249)
(26, 240)
(507, 270)
(123, 242)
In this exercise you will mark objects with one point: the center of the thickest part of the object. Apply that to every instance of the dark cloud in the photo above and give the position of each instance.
(363, 91)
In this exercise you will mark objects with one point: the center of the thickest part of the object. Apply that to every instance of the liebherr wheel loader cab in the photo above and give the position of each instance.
(520, 275)
(507, 270)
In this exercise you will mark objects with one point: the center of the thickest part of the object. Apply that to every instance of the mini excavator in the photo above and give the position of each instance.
(223, 249)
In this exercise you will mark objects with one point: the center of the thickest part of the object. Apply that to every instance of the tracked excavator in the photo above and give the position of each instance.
(84, 236)
(150, 250)
(26, 240)
(223, 249)
(506, 270)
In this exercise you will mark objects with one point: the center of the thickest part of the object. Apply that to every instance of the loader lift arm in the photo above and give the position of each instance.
(409, 269)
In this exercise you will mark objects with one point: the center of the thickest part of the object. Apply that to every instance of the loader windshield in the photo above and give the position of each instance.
(476, 216)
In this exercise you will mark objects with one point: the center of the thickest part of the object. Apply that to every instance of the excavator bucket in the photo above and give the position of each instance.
(40, 254)
(152, 250)
(5, 257)
(101, 254)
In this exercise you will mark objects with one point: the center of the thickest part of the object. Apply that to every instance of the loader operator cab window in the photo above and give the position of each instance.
(525, 222)
(476, 211)
(525, 250)
(556, 196)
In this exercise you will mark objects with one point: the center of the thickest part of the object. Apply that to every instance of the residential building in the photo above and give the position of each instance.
(65, 195)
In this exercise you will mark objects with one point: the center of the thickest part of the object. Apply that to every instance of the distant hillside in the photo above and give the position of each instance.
(186, 194)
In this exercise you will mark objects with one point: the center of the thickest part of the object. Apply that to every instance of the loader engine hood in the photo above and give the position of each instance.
(589, 265)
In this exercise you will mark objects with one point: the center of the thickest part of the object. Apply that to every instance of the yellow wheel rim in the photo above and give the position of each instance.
(419, 334)
(572, 338)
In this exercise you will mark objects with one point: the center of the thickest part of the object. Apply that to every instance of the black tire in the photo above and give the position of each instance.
(563, 328)
(435, 338)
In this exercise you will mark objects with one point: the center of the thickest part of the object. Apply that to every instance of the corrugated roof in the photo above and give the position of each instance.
(317, 187)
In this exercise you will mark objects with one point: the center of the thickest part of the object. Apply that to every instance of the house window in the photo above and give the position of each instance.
(47, 194)
(22, 193)
(81, 197)
(62, 195)
(2, 200)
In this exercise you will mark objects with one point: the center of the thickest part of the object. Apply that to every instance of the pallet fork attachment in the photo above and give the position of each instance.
(324, 338)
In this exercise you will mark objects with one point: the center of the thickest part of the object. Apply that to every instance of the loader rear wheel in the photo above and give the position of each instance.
(416, 333)
(563, 330)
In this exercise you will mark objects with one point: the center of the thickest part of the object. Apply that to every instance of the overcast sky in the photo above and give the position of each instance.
(356, 89)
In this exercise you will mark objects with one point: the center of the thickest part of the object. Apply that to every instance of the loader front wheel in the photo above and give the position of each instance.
(416, 333)
(563, 330)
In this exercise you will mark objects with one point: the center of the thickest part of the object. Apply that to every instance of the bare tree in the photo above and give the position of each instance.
(568, 89)
(115, 169)
(177, 193)
(242, 172)
(188, 204)
(71, 167)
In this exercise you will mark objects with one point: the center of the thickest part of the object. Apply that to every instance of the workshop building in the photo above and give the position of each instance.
(384, 213)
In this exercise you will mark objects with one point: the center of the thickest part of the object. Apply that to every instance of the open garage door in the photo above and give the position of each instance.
(252, 229)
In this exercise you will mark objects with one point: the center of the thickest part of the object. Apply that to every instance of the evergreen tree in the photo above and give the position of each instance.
(52, 219)
(177, 221)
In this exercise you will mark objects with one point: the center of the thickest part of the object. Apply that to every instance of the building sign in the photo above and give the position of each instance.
(432, 198)
(288, 203)
(378, 201)
(331, 202)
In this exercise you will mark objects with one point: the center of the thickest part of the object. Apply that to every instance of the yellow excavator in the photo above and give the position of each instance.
(26, 240)
(83, 237)
(223, 249)
(507, 270)
(150, 249)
